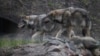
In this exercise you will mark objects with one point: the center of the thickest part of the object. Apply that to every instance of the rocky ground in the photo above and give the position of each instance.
(77, 46)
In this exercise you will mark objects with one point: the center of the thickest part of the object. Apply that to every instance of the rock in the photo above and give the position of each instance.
(54, 48)
(96, 52)
(54, 54)
(88, 42)
(86, 52)
(53, 42)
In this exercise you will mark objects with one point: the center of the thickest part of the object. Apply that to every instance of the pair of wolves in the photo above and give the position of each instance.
(68, 18)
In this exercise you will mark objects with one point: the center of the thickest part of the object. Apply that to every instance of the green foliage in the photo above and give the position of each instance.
(12, 43)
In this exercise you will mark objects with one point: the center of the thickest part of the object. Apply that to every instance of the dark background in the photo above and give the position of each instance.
(12, 10)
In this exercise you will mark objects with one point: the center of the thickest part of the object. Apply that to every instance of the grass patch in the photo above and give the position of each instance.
(12, 42)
